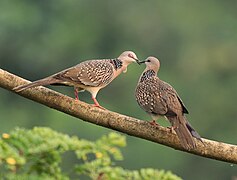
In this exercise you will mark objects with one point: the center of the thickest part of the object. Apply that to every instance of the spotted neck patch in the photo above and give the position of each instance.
(146, 75)
(116, 63)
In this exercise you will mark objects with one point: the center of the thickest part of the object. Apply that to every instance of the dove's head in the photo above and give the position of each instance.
(128, 57)
(152, 63)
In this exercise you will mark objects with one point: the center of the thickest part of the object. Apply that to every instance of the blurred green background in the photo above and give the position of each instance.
(196, 43)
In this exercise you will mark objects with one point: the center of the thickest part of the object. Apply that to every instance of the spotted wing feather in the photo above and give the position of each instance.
(166, 96)
(169, 97)
(92, 73)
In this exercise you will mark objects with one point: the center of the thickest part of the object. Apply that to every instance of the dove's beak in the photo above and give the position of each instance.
(140, 62)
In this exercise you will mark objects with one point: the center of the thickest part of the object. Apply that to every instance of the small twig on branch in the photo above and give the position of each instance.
(131, 126)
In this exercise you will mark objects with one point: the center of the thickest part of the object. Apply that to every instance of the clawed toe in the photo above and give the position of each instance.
(154, 123)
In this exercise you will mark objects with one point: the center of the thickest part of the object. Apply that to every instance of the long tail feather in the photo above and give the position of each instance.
(41, 82)
(192, 131)
(185, 136)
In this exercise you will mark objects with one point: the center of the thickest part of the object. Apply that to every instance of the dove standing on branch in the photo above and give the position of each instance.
(158, 98)
(90, 75)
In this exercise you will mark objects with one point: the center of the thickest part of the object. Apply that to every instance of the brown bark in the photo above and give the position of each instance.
(129, 125)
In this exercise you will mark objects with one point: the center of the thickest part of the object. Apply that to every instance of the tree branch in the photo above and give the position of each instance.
(131, 126)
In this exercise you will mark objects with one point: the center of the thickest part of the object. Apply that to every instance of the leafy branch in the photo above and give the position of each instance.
(37, 154)
(131, 126)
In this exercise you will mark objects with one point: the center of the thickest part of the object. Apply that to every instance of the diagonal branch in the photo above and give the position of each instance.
(131, 126)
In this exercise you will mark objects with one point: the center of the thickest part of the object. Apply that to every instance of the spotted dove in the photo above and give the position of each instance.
(158, 98)
(90, 75)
